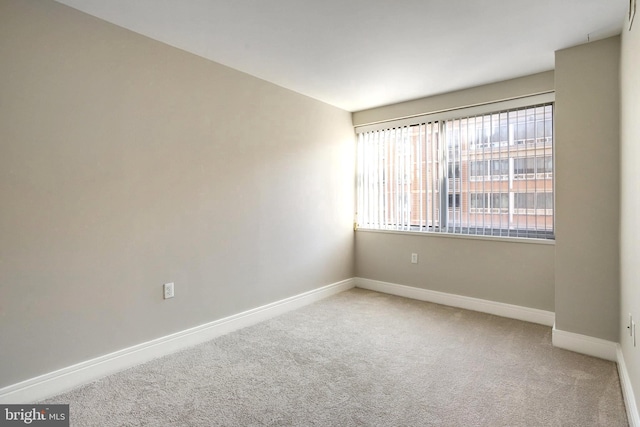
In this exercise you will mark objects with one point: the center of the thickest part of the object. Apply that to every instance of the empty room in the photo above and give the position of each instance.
(329, 213)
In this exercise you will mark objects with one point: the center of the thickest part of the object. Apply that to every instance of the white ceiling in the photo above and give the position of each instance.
(358, 54)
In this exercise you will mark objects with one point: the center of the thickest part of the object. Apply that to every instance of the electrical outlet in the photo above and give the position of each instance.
(414, 258)
(168, 290)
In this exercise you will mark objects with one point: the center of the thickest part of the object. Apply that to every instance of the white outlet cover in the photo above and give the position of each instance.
(168, 290)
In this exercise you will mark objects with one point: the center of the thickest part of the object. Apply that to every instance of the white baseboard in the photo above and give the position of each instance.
(584, 344)
(627, 390)
(532, 315)
(62, 380)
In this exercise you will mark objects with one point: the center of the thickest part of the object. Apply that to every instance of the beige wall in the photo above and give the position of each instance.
(509, 272)
(125, 164)
(630, 199)
(587, 189)
(512, 273)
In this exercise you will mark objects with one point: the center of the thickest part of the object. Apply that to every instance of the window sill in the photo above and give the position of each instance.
(463, 236)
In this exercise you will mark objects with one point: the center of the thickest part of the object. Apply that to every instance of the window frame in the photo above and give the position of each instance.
(469, 111)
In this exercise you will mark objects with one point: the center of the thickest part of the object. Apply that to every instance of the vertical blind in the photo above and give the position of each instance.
(477, 174)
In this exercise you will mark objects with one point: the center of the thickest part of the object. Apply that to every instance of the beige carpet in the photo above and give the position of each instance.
(363, 358)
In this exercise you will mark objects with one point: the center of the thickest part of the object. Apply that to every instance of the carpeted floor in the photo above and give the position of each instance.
(362, 358)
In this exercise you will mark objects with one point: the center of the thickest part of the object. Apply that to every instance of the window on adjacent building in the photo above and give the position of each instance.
(454, 170)
(454, 201)
(484, 170)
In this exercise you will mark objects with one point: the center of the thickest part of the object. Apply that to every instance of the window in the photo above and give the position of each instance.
(454, 201)
(488, 202)
(478, 168)
(479, 200)
(484, 170)
(525, 166)
(533, 201)
(454, 170)
(524, 200)
(489, 169)
(500, 167)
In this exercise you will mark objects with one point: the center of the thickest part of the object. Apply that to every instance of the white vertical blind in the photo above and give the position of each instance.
(482, 174)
